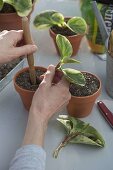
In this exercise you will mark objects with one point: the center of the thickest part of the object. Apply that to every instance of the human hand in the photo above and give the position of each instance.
(8, 49)
(47, 100)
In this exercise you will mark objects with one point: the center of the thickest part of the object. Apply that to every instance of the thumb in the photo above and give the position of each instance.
(23, 50)
(48, 77)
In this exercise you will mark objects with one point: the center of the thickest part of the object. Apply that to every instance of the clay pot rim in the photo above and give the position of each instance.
(10, 13)
(20, 71)
(98, 91)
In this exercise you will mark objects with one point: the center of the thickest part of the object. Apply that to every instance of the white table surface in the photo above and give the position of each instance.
(13, 116)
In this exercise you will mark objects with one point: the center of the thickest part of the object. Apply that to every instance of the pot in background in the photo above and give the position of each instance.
(82, 106)
(26, 95)
(75, 41)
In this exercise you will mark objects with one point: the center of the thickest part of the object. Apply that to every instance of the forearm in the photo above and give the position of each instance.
(35, 131)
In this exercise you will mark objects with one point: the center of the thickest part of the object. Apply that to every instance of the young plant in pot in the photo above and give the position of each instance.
(11, 12)
(84, 87)
(74, 28)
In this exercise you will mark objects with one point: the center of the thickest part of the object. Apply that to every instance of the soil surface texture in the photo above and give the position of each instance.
(23, 80)
(62, 30)
(91, 86)
(6, 68)
(7, 9)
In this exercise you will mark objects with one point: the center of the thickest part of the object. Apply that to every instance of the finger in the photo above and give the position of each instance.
(23, 50)
(48, 77)
(63, 82)
(14, 35)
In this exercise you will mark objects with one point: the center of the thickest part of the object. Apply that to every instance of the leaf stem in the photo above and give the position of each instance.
(64, 143)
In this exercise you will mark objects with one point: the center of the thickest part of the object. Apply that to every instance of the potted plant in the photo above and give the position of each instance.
(11, 12)
(74, 28)
(26, 88)
(85, 87)
(83, 97)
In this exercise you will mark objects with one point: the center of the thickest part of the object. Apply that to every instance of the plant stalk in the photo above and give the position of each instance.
(64, 143)
(30, 58)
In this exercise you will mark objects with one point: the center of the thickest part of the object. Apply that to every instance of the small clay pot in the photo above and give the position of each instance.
(26, 95)
(75, 41)
(82, 106)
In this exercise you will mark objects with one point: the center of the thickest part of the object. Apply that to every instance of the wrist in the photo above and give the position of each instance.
(35, 130)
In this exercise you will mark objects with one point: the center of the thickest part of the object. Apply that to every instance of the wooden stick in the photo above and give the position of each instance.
(110, 44)
(28, 40)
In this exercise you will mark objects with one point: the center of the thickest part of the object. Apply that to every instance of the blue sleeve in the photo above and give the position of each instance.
(29, 157)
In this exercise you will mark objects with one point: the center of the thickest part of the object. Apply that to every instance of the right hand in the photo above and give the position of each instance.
(49, 99)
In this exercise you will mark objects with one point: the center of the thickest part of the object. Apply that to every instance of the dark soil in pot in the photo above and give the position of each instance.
(62, 30)
(7, 9)
(6, 68)
(91, 86)
(23, 80)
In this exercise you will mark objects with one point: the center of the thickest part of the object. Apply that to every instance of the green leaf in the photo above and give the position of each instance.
(81, 139)
(89, 133)
(22, 7)
(77, 25)
(70, 60)
(74, 76)
(47, 19)
(1, 4)
(64, 46)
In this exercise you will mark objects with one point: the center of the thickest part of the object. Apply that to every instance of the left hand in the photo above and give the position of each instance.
(8, 49)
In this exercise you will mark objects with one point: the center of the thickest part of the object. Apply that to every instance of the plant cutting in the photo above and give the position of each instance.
(84, 87)
(78, 132)
(73, 28)
(11, 12)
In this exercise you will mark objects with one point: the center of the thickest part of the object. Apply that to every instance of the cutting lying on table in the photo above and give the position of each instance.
(78, 132)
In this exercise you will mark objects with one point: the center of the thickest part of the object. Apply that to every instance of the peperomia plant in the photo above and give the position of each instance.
(65, 49)
(49, 18)
(78, 132)
(22, 7)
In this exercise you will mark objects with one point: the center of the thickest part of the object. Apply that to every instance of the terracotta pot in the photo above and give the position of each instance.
(82, 106)
(11, 21)
(26, 95)
(75, 41)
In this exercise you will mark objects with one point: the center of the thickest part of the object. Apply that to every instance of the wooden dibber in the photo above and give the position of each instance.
(110, 44)
(28, 40)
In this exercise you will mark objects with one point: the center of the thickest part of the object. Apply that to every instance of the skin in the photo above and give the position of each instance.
(47, 100)
(8, 49)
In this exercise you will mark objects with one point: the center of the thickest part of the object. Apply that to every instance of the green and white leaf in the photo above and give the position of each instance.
(64, 46)
(1, 4)
(70, 60)
(77, 25)
(74, 76)
(22, 7)
(47, 19)
(87, 133)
